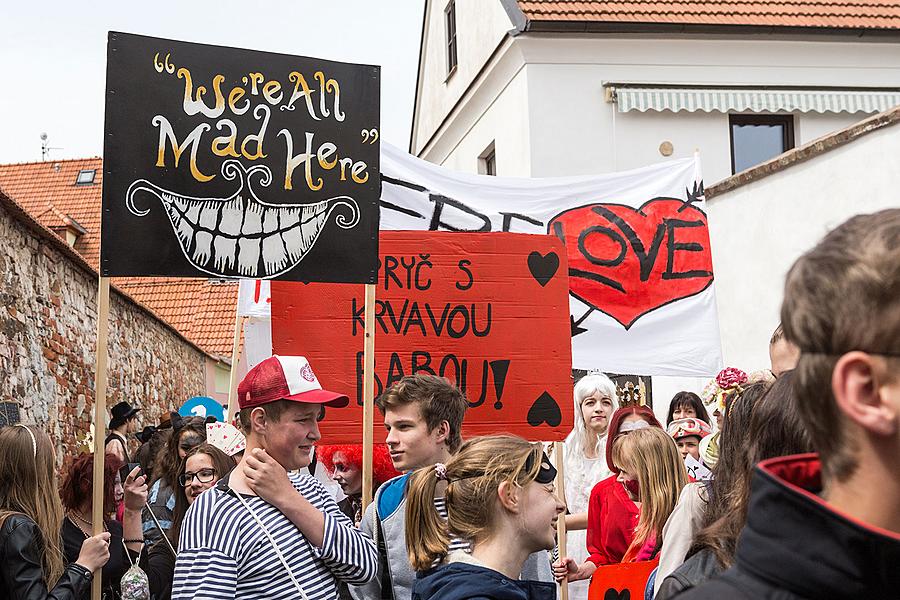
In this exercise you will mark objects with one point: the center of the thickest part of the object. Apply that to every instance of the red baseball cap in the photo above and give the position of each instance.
(285, 378)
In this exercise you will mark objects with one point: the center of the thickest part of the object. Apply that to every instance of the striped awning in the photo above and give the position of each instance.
(693, 99)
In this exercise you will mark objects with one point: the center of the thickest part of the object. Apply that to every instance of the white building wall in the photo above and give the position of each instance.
(480, 27)
(507, 113)
(758, 230)
(575, 131)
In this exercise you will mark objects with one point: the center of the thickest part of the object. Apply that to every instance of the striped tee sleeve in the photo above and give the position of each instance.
(202, 572)
(349, 554)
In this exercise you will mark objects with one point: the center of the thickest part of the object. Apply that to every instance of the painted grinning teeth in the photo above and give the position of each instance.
(202, 247)
(193, 212)
(185, 233)
(232, 217)
(248, 256)
(252, 220)
(270, 220)
(208, 217)
(290, 217)
(229, 236)
(274, 253)
(224, 248)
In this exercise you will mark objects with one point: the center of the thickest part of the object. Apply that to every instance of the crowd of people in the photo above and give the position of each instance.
(782, 483)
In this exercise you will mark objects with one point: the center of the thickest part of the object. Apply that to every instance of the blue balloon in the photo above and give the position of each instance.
(202, 406)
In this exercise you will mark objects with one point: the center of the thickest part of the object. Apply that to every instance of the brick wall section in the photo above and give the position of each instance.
(48, 325)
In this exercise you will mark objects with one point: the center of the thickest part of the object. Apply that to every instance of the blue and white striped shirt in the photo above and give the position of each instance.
(224, 554)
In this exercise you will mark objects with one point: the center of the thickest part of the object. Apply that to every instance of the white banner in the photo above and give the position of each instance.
(642, 297)
(254, 298)
(640, 267)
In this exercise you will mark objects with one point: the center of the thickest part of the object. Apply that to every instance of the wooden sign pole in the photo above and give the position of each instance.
(561, 522)
(368, 395)
(100, 420)
(235, 356)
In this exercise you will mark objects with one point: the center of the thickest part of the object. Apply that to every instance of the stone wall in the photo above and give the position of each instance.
(48, 329)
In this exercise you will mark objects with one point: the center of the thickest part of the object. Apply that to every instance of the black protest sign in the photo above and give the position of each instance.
(222, 162)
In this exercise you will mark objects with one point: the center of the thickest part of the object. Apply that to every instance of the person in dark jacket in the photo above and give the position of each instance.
(31, 559)
(762, 422)
(829, 526)
(125, 540)
(498, 491)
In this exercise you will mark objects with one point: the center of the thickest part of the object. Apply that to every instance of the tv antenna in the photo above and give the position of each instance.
(45, 147)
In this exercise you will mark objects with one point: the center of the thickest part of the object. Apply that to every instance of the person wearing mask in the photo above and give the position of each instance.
(585, 461)
(687, 405)
(203, 466)
(499, 491)
(187, 434)
(32, 564)
(122, 424)
(612, 514)
(125, 540)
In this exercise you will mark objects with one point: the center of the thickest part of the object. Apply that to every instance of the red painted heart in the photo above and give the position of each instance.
(627, 262)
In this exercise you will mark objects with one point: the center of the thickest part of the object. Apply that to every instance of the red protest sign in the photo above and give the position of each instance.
(489, 312)
(621, 581)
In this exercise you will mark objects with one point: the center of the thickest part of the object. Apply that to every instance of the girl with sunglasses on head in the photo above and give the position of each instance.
(32, 565)
(612, 514)
(202, 467)
(499, 493)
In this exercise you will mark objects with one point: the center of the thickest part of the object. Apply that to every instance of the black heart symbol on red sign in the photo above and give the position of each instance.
(542, 267)
(613, 594)
(544, 410)
(627, 262)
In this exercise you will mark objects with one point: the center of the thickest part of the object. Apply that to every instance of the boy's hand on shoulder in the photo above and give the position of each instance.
(268, 479)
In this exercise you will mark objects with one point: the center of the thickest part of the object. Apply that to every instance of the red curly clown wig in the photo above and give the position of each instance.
(382, 466)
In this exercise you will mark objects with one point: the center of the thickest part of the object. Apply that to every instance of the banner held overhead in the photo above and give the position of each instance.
(642, 298)
(222, 162)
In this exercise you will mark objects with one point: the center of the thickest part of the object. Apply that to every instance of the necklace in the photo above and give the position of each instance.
(77, 517)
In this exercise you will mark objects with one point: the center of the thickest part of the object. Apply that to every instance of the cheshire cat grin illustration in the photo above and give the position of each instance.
(243, 236)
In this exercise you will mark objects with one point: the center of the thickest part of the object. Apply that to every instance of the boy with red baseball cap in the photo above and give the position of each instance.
(264, 533)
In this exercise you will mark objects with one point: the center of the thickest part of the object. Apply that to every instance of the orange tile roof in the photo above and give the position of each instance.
(842, 14)
(47, 189)
(203, 311)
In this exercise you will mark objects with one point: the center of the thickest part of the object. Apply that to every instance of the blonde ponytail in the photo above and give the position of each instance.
(473, 476)
(426, 532)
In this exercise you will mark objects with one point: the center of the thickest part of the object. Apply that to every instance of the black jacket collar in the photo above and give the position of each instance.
(796, 541)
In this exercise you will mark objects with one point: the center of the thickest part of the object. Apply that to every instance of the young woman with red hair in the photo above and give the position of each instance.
(76, 494)
(612, 515)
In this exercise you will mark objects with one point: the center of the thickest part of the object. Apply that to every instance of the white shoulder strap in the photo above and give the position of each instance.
(265, 530)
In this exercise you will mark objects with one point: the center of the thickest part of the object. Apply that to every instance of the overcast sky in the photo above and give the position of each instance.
(53, 56)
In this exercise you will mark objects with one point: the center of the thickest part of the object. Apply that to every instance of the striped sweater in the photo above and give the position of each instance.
(224, 554)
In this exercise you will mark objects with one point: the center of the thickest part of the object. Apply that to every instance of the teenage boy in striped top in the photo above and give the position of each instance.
(261, 532)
